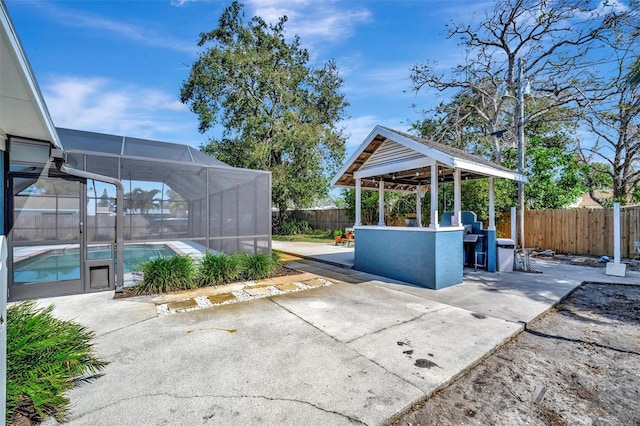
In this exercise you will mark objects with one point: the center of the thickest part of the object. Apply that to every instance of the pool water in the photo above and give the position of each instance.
(62, 265)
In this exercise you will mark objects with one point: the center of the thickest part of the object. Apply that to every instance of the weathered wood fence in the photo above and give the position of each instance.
(328, 219)
(577, 231)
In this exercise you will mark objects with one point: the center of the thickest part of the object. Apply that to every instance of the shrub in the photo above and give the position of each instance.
(257, 266)
(294, 227)
(162, 275)
(276, 259)
(44, 356)
(218, 269)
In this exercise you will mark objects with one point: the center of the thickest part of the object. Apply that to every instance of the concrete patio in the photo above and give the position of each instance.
(357, 352)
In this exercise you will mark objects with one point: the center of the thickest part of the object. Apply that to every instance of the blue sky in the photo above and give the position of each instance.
(117, 66)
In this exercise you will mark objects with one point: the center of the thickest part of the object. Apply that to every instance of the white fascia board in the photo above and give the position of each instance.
(355, 154)
(427, 151)
(488, 171)
(398, 166)
(32, 85)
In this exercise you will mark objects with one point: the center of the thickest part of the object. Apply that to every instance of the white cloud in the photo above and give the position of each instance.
(141, 34)
(312, 20)
(102, 105)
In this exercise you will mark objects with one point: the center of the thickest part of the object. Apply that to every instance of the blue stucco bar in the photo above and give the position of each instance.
(428, 257)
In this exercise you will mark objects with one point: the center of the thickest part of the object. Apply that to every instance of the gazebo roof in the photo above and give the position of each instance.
(403, 161)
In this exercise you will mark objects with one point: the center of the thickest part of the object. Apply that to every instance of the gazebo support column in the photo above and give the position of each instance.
(434, 197)
(457, 199)
(492, 205)
(381, 202)
(491, 230)
(358, 202)
(418, 206)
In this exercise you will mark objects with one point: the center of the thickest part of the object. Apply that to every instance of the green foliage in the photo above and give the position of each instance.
(162, 275)
(277, 112)
(293, 227)
(276, 258)
(257, 266)
(44, 356)
(368, 202)
(218, 268)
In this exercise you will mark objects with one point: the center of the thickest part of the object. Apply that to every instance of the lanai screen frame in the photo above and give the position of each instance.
(214, 191)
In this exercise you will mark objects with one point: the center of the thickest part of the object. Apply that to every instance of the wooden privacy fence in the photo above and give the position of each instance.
(577, 231)
(328, 219)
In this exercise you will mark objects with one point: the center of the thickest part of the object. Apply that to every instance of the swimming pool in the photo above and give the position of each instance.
(62, 265)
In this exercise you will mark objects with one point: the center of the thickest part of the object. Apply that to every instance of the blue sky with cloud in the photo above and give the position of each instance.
(117, 66)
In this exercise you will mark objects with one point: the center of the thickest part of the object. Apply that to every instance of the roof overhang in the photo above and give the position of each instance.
(404, 161)
(23, 111)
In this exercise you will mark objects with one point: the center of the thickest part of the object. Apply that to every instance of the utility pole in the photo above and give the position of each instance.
(521, 151)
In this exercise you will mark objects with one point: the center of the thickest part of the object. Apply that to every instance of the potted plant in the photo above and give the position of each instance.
(337, 236)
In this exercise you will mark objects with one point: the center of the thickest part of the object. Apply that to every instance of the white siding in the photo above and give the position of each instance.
(390, 152)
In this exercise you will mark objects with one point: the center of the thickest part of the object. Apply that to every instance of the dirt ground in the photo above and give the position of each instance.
(578, 364)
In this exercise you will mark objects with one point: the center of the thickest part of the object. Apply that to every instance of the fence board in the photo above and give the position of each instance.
(578, 231)
(575, 231)
(329, 219)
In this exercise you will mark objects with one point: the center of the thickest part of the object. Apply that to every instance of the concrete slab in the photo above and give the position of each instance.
(356, 311)
(247, 363)
(314, 283)
(287, 287)
(257, 291)
(221, 298)
(340, 256)
(101, 312)
(356, 352)
(433, 349)
(183, 304)
(616, 269)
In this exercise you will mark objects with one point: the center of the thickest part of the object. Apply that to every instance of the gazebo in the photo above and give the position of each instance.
(431, 256)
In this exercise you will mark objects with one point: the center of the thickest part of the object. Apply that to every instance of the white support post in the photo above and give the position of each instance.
(616, 232)
(456, 220)
(358, 202)
(492, 206)
(419, 205)
(616, 268)
(513, 223)
(381, 202)
(434, 197)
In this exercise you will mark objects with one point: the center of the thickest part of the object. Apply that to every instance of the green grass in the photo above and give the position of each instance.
(44, 356)
(306, 238)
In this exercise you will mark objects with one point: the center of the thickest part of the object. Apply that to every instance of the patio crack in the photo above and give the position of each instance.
(397, 324)
(257, 397)
(125, 326)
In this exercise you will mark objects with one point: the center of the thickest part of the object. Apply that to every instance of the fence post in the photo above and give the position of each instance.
(616, 268)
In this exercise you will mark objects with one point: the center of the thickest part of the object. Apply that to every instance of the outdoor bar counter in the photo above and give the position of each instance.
(428, 257)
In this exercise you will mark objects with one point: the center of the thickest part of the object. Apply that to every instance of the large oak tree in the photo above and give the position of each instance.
(277, 112)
